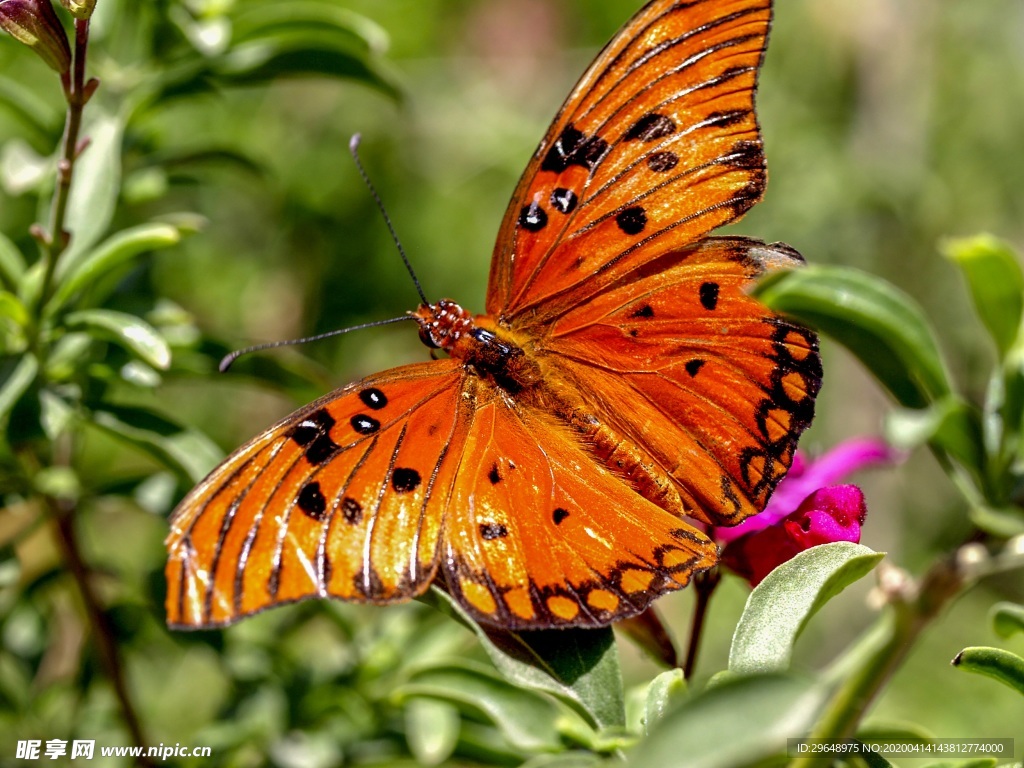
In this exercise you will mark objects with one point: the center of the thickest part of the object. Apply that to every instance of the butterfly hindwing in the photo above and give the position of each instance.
(713, 387)
(337, 499)
(538, 536)
(657, 144)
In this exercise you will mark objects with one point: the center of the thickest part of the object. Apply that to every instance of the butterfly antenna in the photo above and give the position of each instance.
(353, 147)
(229, 359)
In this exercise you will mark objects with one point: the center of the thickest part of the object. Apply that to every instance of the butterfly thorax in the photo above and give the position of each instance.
(478, 341)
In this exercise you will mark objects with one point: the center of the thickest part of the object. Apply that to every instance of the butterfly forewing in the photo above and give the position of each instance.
(338, 499)
(659, 142)
(709, 384)
(539, 536)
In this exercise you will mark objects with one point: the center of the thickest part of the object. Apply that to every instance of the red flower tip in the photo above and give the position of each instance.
(829, 514)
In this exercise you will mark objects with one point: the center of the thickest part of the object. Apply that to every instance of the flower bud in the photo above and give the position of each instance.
(35, 23)
(80, 9)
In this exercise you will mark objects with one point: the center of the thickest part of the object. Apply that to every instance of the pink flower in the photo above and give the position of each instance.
(805, 510)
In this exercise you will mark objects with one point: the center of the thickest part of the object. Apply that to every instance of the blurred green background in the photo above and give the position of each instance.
(889, 124)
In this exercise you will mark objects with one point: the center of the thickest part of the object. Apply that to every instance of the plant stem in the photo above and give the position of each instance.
(878, 655)
(106, 642)
(704, 585)
(57, 238)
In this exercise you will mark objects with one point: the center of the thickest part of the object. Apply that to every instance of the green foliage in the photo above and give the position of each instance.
(780, 606)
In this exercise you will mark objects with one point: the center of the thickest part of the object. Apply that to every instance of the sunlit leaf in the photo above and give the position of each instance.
(880, 324)
(779, 607)
(996, 282)
(129, 331)
(579, 666)
(527, 719)
(431, 730)
(739, 722)
(83, 268)
(1001, 665)
(97, 179)
(12, 309)
(665, 691)
(12, 262)
(19, 379)
(309, 20)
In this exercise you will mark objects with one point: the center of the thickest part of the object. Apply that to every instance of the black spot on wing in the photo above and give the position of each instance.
(313, 435)
(564, 200)
(662, 162)
(532, 218)
(352, 510)
(491, 531)
(404, 480)
(494, 475)
(693, 367)
(651, 127)
(632, 221)
(311, 501)
(646, 311)
(373, 398)
(365, 425)
(709, 296)
(573, 147)
(559, 515)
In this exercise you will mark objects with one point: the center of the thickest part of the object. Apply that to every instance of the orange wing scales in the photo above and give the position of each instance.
(682, 363)
(658, 138)
(538, 536)
(333, 500)
(623, 380)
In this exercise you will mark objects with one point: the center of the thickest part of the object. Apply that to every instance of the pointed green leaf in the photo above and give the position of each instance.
(1007, 618)
(525, 718)
(996, 282)
(579, 666)
(84, 268)
(96, 183)
(129, 331)
(12, 263)
(19, 379)
(1005, 523)
(665, 691)
(1006, 667)
(741, 721)
(780, 606)
(880, 324)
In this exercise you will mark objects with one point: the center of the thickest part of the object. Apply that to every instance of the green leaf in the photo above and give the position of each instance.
(996, 282)
(264, 60)
(96, 183)
(310, 20)
(1005, 523)
(738, 722)
(12, 262)
(665, 691)
(880, 324)
(527, 719)
(950, 424)
(780, 606)
(12, 309)
(1006, 667)
(431, 730)
(190, 454)
(129, 331)
(24, 104)
(80, 270)
(1007, 618)
(17, 382)
(579, 666)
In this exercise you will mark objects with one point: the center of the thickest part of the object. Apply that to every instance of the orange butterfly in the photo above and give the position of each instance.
(621, 379)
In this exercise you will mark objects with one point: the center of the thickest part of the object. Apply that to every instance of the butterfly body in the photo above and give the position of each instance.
(621, 381)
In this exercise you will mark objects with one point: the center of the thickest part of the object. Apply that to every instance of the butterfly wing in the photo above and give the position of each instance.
(538, 535)
(337, 499)
(657, 145)
(679, 360)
